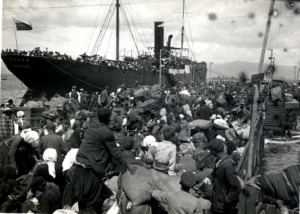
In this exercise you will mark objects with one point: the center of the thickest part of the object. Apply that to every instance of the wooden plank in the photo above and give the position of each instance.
(251, 141)
(240, 163)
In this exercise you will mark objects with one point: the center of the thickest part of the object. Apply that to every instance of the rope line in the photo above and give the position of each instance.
(95, 25)
(72, 75)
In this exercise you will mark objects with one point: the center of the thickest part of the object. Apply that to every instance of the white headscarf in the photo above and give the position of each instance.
(220, 138)
(72, 121)
(30, 136)
(50, 156)
(149, 141)
(70, 159)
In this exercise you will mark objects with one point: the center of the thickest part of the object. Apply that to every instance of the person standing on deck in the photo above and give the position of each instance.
(52, 140)
(94, 157)
(75, 94)
(104, 96)
(226, 185)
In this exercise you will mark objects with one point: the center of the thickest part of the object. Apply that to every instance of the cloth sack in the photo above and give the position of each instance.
(165, 182)
(202, 124)
(138, 186)
(220, 124)
(279, 187)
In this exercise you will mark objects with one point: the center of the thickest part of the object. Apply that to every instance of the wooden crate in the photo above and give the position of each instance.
(274, 116)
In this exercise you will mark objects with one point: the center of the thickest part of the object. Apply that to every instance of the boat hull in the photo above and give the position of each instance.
(43, 74)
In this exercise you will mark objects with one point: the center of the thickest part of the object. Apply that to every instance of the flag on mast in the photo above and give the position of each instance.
(21, 25)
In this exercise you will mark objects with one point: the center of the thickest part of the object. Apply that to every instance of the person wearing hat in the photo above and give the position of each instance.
(52, 140)
(226, 185)
(245, 114)
(96, 153)
(11, 104)
(127, 147)
(104, 96)
(6, 124)
(75, 94)
(83, 99)
(204, 112)
(123, 93)
(182, 201)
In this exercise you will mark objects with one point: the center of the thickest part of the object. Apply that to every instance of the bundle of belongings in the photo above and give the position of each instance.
(283, 187)
(276, 193)
(139, 192)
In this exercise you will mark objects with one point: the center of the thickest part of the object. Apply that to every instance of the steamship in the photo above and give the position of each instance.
(52, 75)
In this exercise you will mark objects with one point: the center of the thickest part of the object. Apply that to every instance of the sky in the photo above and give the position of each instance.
(217, 31)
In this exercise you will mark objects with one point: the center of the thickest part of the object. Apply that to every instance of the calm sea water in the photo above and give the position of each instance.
(279, 156)
(11, 88)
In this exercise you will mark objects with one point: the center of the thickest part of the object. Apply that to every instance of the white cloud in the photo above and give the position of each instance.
(233, 36)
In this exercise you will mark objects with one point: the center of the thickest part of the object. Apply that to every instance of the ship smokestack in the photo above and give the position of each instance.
(158, 38)
(169, 42)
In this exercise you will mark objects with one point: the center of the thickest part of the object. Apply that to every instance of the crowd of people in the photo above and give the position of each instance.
(183, 133)
(146, 62)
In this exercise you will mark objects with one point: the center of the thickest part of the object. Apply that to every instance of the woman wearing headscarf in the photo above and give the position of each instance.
(19, 150)
(50, 170)
(68, 198)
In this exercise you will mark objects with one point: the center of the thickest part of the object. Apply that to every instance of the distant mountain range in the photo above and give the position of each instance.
(234, 69)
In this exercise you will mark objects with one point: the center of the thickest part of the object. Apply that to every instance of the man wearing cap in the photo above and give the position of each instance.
(204, 112)
(82, 99)
(123, 93)
(226, 185)
(244, 113)
(181, 201)
(6, 124)
(104, 96)
(75, 94)
(11, 104)
(52, 140)
(95, 154)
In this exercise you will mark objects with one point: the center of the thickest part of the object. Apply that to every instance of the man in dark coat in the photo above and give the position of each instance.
(226, 185)
(95, 154)
(204, 112)
(52, 140)
(104, 97)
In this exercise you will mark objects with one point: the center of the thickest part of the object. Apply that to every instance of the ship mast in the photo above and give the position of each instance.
(263, 51)
(117, 30)
(182, 28)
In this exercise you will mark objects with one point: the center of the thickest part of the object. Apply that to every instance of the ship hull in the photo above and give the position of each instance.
(49, 75)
